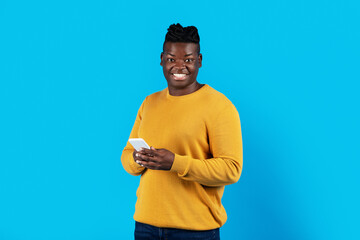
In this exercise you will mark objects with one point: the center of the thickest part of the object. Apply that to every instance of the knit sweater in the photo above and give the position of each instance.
(203, 130)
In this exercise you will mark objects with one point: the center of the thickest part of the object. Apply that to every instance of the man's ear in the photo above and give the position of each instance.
(161, 57)
(200, 60)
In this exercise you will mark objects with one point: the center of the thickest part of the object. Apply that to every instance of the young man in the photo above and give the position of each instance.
(196, 150)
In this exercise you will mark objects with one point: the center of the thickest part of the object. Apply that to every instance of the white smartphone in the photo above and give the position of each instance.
(138, 143)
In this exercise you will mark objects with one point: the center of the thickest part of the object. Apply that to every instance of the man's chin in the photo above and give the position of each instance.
(179, 84)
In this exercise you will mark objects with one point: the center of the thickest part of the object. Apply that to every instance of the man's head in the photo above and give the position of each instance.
(178, 33)
(181, 57)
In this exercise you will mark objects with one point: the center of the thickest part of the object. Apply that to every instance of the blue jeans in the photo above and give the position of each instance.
(147, 232)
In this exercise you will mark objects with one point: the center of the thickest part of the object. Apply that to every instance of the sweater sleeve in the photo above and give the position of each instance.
(225, 142)
(127, 159)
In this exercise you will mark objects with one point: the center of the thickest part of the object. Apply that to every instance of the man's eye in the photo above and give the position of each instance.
(170, 60)
(189, 60)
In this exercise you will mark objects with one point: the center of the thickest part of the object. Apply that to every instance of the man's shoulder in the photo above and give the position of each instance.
(219, 104)
(214, 95)
(156, 95)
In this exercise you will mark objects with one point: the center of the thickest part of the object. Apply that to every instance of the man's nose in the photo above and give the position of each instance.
(179, 65)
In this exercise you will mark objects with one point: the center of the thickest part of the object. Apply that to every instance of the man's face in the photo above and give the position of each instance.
(181, 63)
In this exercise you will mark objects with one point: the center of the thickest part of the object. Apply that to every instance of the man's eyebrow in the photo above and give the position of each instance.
(186, 55)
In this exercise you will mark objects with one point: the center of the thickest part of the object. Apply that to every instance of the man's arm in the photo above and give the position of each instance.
(128, 155)
(225, 145)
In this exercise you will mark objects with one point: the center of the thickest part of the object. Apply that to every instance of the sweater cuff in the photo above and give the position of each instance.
(181, 165)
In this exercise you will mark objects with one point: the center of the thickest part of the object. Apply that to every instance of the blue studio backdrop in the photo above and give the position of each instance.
(74, 73)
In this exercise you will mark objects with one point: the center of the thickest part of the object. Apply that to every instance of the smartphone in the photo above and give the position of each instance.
(138, 143)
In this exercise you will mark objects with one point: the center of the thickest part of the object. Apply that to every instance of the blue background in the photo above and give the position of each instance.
(74, 73)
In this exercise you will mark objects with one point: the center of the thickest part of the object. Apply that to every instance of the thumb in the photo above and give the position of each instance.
(152, 148)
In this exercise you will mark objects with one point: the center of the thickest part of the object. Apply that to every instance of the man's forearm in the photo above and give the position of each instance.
(209, 172)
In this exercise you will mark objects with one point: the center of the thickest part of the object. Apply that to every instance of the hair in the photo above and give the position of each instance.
(178, 33)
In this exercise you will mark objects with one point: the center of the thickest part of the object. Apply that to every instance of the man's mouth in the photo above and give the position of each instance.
(179, 76)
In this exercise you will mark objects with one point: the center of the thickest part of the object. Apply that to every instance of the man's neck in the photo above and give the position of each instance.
(184, 91)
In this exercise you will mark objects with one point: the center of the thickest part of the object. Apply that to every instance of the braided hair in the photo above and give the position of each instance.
(178, 33)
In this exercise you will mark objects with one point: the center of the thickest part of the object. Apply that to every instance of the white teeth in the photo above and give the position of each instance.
(179, 75)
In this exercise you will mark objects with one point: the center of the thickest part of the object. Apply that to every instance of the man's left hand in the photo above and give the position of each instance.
(156, 159)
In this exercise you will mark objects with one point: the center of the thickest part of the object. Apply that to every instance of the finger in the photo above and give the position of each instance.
(146, 158)
(150, 165)
(138, 159)
(140, 163)
(136, 156)
(149, 152)
(145, 150)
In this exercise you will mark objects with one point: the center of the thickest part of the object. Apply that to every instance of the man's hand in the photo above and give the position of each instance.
(156, 159)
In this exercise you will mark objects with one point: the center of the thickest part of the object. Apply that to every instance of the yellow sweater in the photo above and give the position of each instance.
(203, 130)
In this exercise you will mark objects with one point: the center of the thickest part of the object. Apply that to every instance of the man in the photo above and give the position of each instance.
(196, 134)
